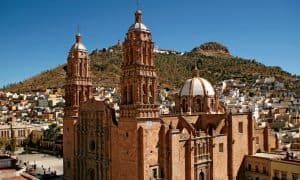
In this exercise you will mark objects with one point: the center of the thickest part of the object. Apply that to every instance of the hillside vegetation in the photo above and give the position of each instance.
(172, 69)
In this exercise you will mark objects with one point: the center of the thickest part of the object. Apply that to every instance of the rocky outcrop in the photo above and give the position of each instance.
(212, 49)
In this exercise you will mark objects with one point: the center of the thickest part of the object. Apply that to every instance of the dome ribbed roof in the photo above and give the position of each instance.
(139, 27)
(78, 45)
(197, 86)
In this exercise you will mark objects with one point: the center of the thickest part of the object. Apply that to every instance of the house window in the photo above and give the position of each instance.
(264, 170)
(155, 172)
(283, 175)
(276, 175)
(295, 176)
(240, 127)
(221, 147)
(256, 168)
(249, 167)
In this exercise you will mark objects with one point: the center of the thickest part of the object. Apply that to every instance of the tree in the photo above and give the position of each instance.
(51, 133)
(3, 142)
(11, 146)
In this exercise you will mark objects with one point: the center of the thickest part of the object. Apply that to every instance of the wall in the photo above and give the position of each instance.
(238, 143)
(219, 159)
(285, 166)
(257, 167)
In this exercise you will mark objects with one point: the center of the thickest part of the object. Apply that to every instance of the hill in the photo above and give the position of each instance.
(212, 49)
(172, 69)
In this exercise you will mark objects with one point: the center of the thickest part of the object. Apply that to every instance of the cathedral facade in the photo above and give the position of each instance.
(199, 141)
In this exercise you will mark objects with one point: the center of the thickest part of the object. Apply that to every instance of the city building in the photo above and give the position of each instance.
(19, 131)
(271, 166)
(200, 141)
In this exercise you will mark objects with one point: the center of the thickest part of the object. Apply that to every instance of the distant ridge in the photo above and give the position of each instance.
(213, 59)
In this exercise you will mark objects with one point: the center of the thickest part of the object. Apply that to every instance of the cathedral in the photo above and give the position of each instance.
(199, 141)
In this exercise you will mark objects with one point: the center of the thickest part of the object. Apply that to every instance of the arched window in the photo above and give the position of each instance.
(184, 105)
(144, 55)
(91, 174)
(130, 91)
(151, 95)
(80, 69)
(125, 95)
(212, 104)
(200, 149)
(80, 96)
(198, 106)
(210, 130)
(201, 176)
(144, 93)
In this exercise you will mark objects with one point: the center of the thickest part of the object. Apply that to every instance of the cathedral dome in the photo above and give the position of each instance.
(197, 86)
(138, 25)
(78, 45)
(197, 95)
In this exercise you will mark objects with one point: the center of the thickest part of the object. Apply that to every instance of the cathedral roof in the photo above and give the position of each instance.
(197, 86)
(78, 45)
(138, 25)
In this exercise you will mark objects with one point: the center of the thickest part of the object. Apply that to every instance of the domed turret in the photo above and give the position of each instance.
(197, 96)
(197, 86)
(78, 46)
(138, 25)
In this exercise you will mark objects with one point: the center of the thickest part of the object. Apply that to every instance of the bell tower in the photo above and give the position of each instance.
(78, 88)
(139, 80)
(139, 122)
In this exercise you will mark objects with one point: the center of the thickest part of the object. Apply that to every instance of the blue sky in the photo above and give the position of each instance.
(36, 34)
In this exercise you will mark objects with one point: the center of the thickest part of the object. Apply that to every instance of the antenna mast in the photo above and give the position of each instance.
(138, 4)
(78, 30)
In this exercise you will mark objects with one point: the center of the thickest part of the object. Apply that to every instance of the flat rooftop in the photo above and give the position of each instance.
(270, 155)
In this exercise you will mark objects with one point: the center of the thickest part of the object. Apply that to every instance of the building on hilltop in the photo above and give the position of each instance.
(200, 141)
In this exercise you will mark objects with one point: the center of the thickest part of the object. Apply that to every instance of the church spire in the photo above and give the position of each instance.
(78, 35)
(138, 16)
(78, 38)
(195, 71)
(139, 92)
(78, 89)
